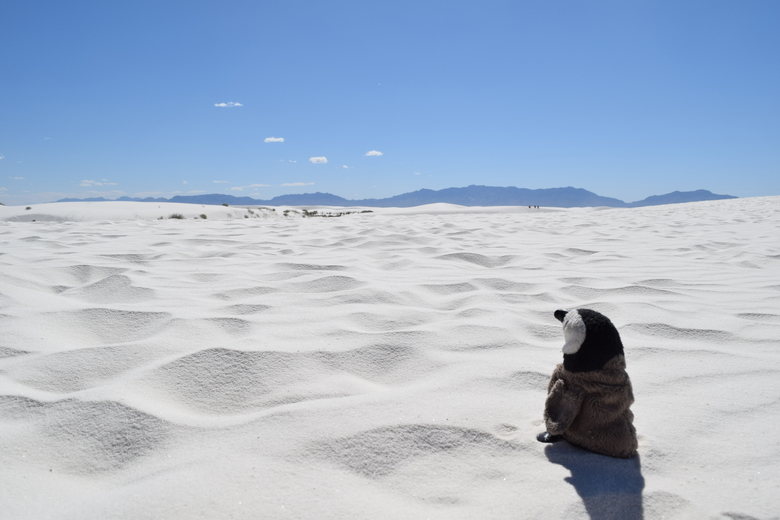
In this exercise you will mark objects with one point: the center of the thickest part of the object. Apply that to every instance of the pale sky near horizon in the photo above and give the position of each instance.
(371, 99)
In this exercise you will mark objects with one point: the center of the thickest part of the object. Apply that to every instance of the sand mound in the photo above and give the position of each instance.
(380, 452)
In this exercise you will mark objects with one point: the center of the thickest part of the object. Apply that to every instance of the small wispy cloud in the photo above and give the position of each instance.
(345, 166)
(374, 153)
(88, 183)
(2, 157)
(16, 178)
(185, 182)
(318, 160)
(298, 184)
(250, 187)
(273, 140)
(220, 182)
(228, 104)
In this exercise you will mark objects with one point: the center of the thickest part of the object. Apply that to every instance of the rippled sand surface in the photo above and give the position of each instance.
(381, 365)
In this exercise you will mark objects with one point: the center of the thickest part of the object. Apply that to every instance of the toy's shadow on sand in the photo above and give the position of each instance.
(610, 488)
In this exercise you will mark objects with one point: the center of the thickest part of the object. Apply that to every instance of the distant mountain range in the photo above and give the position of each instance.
(469, 196)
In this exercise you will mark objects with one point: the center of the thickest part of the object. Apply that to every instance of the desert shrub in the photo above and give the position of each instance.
(225, 204)
(177, 215)
(204, 216)
(28, 207)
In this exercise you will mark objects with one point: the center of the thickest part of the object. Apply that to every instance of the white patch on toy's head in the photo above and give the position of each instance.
(574, 332)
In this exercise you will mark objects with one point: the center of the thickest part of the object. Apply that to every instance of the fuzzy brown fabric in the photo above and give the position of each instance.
(591, 409)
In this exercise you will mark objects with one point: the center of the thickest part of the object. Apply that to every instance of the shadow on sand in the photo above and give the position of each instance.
(610, 488)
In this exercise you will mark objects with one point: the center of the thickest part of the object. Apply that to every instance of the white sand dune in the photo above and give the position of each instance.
(120, 210)
(380, 365)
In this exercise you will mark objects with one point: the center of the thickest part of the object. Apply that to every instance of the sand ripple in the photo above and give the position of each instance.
(377, 453)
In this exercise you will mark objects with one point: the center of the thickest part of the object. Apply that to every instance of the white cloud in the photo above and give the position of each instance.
(298, 184)
(374, 153)
(229, 104)
(220, 182)
(417, 173)
(250, 186)
(273, 140)
(318, 160)
(16, 178)
(88, 183)
(2, 157)
(344, 166)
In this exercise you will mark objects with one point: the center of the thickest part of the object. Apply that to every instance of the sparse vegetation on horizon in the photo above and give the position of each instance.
(323, 214)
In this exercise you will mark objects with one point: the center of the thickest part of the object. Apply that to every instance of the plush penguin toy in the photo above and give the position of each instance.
(589, 395)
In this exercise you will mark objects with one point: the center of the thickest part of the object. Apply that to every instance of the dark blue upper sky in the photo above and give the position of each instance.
(624, 98)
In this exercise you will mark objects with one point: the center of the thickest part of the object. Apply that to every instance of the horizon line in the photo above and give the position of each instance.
(205, 194)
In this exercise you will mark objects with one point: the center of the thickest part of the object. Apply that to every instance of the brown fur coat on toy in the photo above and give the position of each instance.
(591, 409)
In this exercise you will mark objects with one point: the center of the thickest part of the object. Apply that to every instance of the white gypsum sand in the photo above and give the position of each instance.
(391, 364)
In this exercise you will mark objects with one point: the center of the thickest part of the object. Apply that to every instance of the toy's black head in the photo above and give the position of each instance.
(591, 340)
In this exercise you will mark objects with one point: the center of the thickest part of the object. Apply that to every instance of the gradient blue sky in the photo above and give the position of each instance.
(624, 98)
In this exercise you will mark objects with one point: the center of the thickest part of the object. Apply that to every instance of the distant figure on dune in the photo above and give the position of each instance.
(590, 393)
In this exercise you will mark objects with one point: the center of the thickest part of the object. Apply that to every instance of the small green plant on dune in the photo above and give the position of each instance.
(28, 207)
(324, 214)
(177, 216)
(203, 216)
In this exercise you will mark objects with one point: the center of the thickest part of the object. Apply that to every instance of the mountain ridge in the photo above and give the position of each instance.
(474, 195)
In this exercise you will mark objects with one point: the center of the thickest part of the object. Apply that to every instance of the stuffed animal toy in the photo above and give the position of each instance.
(589, 394)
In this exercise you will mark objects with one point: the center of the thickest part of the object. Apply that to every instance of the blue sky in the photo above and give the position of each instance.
(623, 98)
